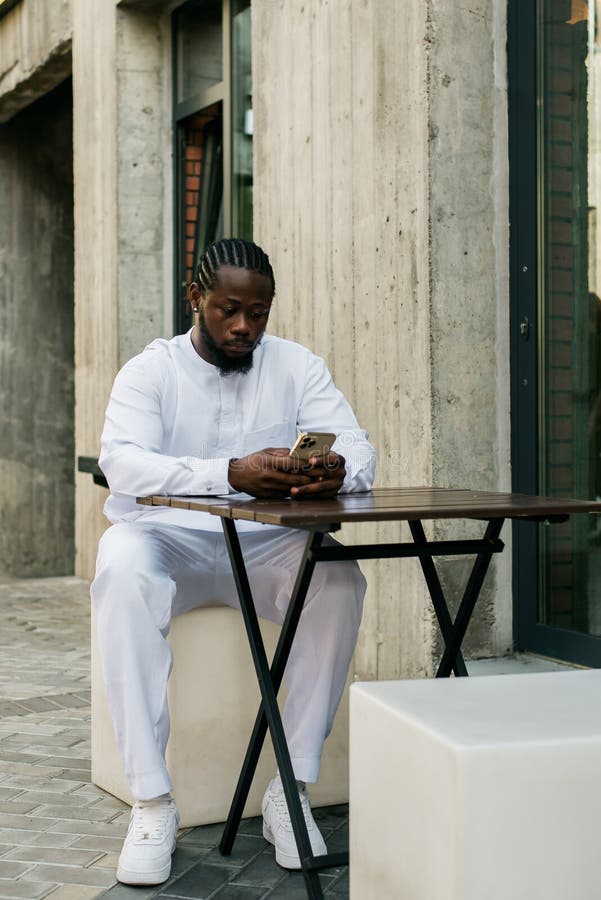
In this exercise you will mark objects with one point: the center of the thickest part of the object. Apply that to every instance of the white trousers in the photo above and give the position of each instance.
(146, 574)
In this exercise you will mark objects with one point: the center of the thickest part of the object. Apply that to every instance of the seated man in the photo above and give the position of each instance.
(214, 411)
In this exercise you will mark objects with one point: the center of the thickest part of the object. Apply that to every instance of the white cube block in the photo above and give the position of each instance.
(213, 701)
(476, 788)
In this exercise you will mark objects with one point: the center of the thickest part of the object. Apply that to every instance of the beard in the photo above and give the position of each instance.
(227, 365)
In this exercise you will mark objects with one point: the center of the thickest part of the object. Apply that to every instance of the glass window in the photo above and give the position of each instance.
(214, 127)
(570, 305)
(199, 30)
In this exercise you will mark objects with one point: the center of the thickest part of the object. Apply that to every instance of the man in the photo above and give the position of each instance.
(214, 411)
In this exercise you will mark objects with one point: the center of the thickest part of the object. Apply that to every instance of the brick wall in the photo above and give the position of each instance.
(196, 225)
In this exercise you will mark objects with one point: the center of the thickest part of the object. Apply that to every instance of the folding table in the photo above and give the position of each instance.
(318, 517)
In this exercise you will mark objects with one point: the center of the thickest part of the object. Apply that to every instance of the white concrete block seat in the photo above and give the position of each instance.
(213, 706)
(476, 788)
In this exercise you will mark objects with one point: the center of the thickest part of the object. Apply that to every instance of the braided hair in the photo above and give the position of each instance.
(232, 252)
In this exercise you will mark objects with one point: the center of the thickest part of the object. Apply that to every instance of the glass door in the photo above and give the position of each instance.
(556, 288)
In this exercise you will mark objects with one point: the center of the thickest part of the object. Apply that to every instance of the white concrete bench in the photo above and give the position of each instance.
(477, 788)
(213, 701)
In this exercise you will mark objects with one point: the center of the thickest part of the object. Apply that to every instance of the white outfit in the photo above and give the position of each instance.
(172, 424)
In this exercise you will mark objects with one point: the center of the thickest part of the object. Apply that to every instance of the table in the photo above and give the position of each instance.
(319, 517)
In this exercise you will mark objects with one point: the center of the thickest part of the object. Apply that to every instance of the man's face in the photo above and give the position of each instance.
(232, 318)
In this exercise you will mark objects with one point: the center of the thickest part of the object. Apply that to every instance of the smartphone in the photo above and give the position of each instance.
(312, 443)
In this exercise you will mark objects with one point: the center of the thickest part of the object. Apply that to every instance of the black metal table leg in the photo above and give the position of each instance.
(269, 708)
(439, 603)
(278, 666)
(469, 599)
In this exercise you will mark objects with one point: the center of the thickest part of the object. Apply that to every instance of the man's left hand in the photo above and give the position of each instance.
(327, 474)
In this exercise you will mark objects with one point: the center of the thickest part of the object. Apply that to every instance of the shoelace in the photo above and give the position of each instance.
(150, 822)
(281, 808)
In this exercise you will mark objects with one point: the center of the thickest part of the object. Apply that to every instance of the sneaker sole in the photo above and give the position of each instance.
(285, 860)
(148, 878)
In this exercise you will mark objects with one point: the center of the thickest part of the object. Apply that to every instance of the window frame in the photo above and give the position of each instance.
(221, 92)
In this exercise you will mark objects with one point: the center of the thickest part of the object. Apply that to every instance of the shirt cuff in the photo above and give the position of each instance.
(209, 475)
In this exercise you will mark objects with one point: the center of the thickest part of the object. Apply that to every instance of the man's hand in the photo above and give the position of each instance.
(327, 474)
(272, 474)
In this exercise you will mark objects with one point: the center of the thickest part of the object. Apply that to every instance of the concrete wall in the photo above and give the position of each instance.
(381, 194)
(123, 213)
(36, 339)
(35, 52)
(469, 277)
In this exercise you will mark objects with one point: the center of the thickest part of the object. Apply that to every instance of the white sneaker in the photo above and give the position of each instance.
(277, 827)
(146, 854)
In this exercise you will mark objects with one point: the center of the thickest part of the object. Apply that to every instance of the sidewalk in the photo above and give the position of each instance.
(59, 834)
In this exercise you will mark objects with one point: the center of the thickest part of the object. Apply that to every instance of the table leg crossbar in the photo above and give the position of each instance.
(270, 678)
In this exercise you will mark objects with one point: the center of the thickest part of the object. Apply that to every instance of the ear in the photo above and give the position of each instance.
(194, 294)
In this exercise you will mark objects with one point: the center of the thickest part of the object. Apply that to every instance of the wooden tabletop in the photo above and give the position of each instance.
(381, 504)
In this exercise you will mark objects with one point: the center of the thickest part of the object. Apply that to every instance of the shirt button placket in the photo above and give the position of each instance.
(228, 423)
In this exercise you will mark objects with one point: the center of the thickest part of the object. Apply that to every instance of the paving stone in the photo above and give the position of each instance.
(330, 817)
(109, 805)
(238, 892)
(8, 792)
(263, 870)
(207, 835)
(58, 855)
(252, 826)
(99, 842)
(200, 881)
(123, 892)
(10, 708)
(17, 806)
(68, 826)
(70, 774)
(60, 811)
(94, 877)
(16, 756)
(340, 887)
(184, 858)
(71, 762)
(122, 818)
(39, 783)
(26, 726)
(40, 798)
(25, 822)
(292, 887)
(14, 769)
(19, 837)
(27, 890)
(75, 892)
(245, 848)
(10, 869)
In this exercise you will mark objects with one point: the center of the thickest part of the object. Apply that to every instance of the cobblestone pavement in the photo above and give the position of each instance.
(59, 834)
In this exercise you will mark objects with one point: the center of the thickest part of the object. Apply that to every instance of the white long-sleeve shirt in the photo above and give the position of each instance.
(173, 423)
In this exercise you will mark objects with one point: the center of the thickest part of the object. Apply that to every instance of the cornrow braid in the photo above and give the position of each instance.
(232, 252)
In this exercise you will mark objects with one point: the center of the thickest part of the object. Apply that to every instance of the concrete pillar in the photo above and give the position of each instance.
(123, 246)
(374, 134)
(95, 215)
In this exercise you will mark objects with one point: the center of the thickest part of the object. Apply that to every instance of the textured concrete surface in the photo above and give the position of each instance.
(60, 835)
(393, 264)
(123, 200)
(36, 338)
(35, 52)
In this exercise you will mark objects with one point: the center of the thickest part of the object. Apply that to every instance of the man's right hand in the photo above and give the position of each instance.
(269, 474)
